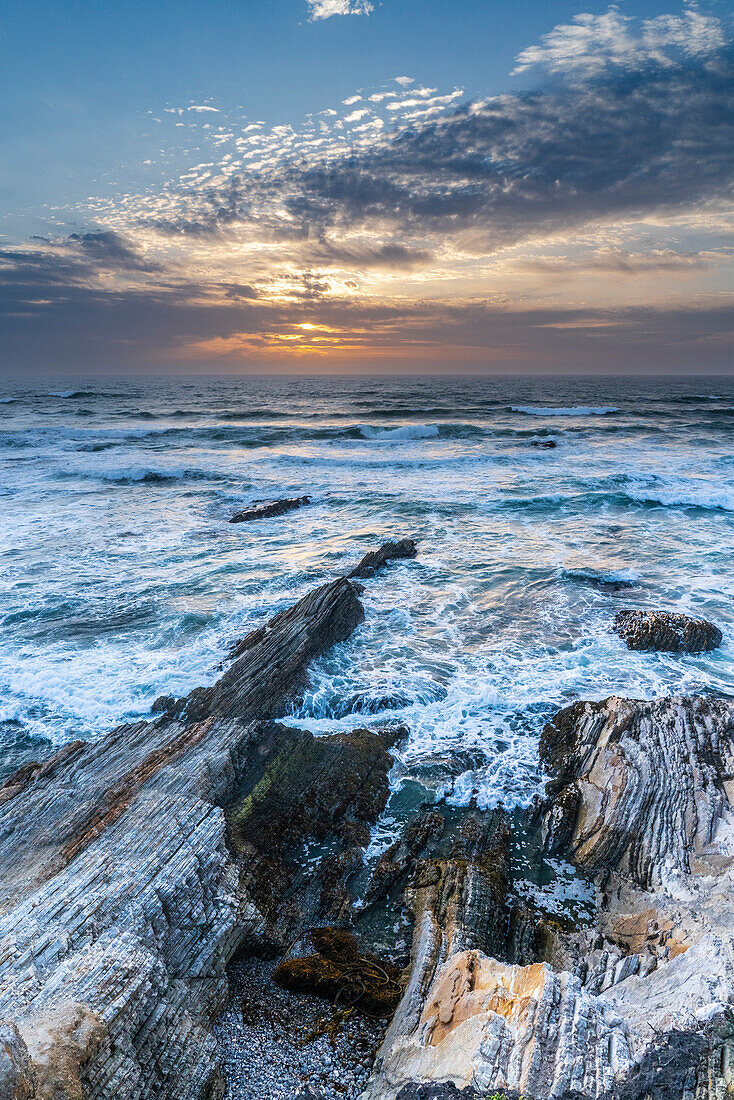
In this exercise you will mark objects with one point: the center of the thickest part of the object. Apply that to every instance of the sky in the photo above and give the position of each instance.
(254, 186)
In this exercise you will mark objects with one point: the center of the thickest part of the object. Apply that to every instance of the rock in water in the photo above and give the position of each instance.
(123, 895)
(390, 551)
(662, 630)
(264, 509)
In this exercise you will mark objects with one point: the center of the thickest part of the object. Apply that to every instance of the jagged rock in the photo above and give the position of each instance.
(662, 630)
(458, 903)
(397, 860)
(121, 900)
(308, 789)
(389, 551)
(546, 444)
(638, 787)
(17, 1072)
(264, 509)
(640, 798)
(269, 666)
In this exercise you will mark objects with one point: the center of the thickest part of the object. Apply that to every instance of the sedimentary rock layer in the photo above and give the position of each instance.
(265, 509)
(636, 1006)
(131, 870)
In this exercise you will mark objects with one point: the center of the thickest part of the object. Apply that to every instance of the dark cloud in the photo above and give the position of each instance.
(517, 166)
(480, 178)
(109, 250)
(521, 165)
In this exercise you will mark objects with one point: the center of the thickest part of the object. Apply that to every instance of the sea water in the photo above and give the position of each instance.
(121, 578)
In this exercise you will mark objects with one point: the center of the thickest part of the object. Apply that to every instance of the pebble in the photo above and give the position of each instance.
(272, 1046)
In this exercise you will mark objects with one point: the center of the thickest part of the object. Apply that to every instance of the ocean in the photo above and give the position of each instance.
(123, 580)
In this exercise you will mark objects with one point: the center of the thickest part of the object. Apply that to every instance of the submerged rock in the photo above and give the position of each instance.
(389, 551)
(663, 630)
(264, 509)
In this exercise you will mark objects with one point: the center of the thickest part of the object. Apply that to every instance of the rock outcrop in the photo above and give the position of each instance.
(639, 1004)
(663, 630)
(265, 509)
(133, 869)
(390, 551)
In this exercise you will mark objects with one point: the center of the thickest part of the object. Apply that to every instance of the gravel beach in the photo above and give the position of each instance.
(276, 1045)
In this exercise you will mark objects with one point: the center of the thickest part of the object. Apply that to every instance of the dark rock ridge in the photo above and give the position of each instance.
(663, 630)
(390, 551)
(264, 509)
(133, 869)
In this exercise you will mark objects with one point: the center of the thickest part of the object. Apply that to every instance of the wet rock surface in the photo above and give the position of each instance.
(185, 870)
(663, 630)
(265, 509)
(327, 789)
(376, 559)
(123, 897)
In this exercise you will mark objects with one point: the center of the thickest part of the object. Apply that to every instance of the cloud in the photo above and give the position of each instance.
(438, 230)
(324, 9)
(592, 43)
(404, 80)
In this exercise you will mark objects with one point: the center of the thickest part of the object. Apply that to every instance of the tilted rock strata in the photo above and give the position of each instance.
(376, 559)
(642, 800)
(265, 509)
(121, 900)
(663, 630)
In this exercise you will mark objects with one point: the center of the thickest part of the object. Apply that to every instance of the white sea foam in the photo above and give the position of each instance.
(473, 645)
(405, 432)
(681, 494)
(574, 410)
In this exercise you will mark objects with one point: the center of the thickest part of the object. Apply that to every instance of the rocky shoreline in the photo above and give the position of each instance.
(186, 913)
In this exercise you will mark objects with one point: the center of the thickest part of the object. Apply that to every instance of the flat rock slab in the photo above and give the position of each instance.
(665, 631)
(264, 509)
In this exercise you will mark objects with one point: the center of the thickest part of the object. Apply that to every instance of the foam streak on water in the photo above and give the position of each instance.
(121, 578)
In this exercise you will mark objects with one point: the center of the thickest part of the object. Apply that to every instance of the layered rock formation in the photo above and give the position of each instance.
(133, 869)
(636, 1006)
(376, 559)
(265, 509)
(663, 630)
